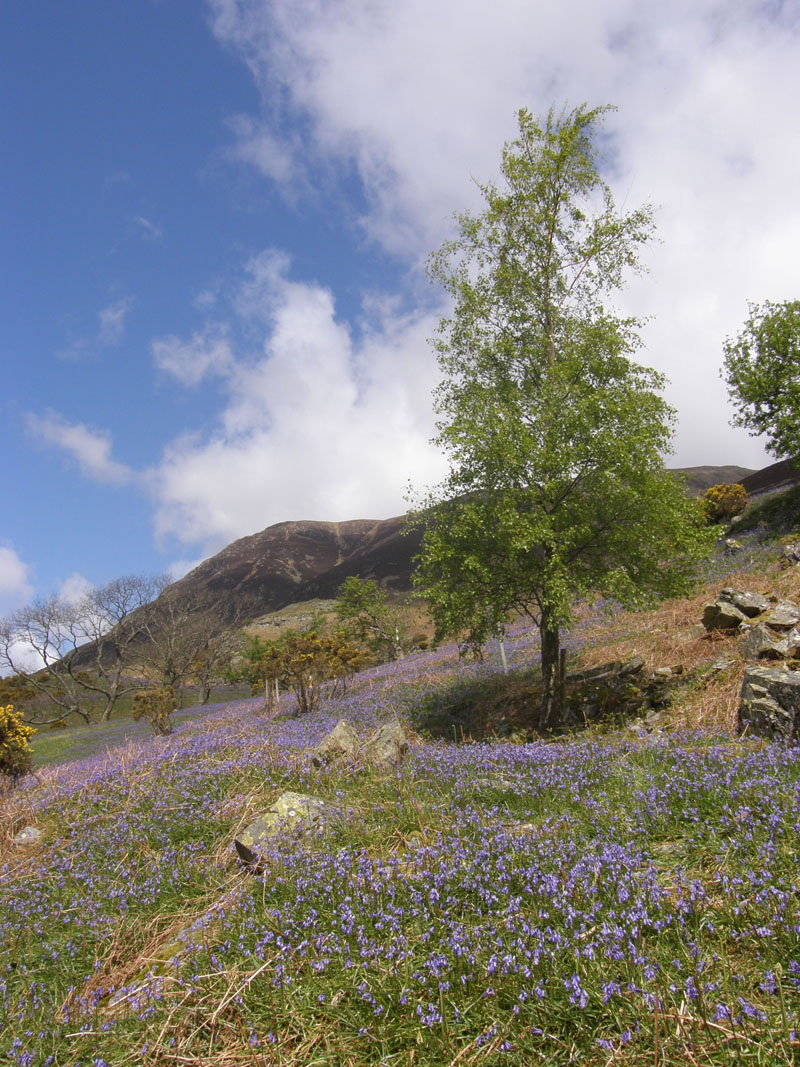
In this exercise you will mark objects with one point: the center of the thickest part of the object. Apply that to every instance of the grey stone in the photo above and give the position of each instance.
(790, 554)
(495, 782)
(292, 814)
(722, 615)
(763, 643)
(722, 663)
(731, 546)
(633, 666)
(662, 672)
(784, 616)
(750, 604)
(692, 633)
(770, 704)
(341, 743)
(28, 835)
(388, 746)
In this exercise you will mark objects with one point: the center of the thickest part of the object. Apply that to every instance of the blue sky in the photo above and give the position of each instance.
(215, 217)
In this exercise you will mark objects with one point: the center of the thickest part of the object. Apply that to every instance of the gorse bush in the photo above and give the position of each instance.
(156, 705)
(724, 501)
(15, 749)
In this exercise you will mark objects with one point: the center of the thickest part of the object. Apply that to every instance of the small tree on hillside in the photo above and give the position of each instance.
(307, 663)
(363, 606)
(555, 437)
(762, 369)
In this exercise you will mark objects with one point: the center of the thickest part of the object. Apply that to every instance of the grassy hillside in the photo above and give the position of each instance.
(601, 899)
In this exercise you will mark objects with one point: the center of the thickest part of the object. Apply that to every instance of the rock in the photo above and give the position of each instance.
(341, 742)
(763, 643)
(793, 644)
(732, 547)
(750, 604)
(692, 633)
(28, 835)
(388, 746)
(662, 672)
(633, 666)
(770, 704)
(784, 616)
(722, 615)
(790, 555)
(495, 782)
(294, 814)
(722, 663)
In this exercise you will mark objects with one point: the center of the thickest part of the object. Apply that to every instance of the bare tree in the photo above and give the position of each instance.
(81, 650)
(185, 638)
(111, 621)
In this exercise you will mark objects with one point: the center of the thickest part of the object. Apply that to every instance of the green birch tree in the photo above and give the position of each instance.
(555, 436)
(762, 369)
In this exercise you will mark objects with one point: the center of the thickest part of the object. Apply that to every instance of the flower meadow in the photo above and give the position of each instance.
(595, 900)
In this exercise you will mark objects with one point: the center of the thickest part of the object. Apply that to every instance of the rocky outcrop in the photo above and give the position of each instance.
(770, 704)
(387, 747)
(732, 608)
(294, 815)
(770, 628)
(341, 742)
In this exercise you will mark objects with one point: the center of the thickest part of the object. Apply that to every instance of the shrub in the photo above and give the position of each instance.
(156, 705)
(15, 749)
(724, 501)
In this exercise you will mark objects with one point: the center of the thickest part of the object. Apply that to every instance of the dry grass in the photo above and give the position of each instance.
(666, 637)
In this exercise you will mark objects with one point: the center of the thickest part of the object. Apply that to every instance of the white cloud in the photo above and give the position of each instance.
(419, 97)
(147, 229)
(316, 425)
(90, 448)
(15, 585)
(112, 322)
(208, 352)
(74, 588)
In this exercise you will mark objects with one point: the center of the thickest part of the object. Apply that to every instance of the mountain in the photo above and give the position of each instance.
(296, 561)
(699, 479)
(293, 562)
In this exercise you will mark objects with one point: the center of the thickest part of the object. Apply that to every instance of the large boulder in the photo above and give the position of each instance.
(763, 643)
(293, 814)
(770, 704)
(723, 615)
(341, 743)
(388, 746)
(750, 604)
(783, 617)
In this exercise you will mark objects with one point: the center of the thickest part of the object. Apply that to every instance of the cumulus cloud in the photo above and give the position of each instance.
(74, 588)
(88, 447)
(318, 423)
(15, 585)
(208, 352)
(417, 98)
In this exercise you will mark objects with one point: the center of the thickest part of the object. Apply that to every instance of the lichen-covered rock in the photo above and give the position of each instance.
(783, 617)
(28, 835)
(292, 814)
(388, 746)
(763, 643)
(341, 743)
(750, 604)
(770, 704)
(722, 615)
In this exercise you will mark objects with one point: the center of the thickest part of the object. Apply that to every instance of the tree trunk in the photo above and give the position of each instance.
(552, 704)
